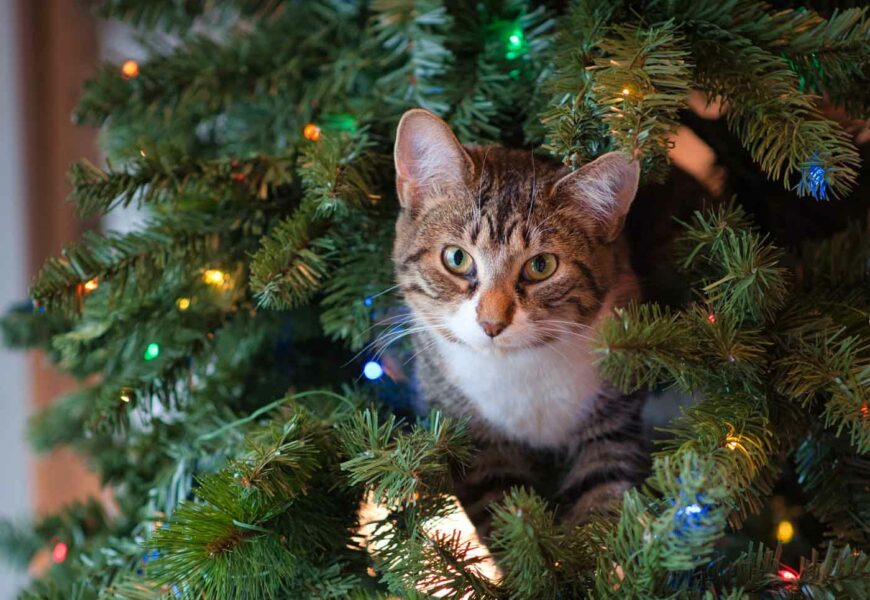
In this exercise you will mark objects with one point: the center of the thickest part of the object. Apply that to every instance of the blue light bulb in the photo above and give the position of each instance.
(373, 370)
(368, 301)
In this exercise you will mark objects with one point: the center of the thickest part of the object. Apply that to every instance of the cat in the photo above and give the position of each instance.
(508, 262)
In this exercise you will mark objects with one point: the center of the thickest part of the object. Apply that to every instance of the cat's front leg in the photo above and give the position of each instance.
(497, 466)
(610, 457)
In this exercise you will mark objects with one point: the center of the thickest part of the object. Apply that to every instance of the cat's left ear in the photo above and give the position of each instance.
(606, 188)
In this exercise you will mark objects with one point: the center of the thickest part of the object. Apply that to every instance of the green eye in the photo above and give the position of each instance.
(457, 260)
(540, 267)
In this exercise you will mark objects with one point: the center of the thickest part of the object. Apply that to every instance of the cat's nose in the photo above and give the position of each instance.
(493, 328)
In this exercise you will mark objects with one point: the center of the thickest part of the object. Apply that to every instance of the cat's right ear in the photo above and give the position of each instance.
(430, 161)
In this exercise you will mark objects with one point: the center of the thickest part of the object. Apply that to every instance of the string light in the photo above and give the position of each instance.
(91, 285)
(183, 303)
(368, 301)
(373, 370)
(311, 132)
(787, 574)
(126, 396)
(214, 277)
(59, 552)
(711, 318)
(814, 179)
(142, 152)
(516, 43)
(626, 91)
(732, 442)
(152, 351)
(865, 410)
(785, 532)
(130, 69)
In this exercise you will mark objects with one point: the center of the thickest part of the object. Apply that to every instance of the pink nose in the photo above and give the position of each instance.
(491, 328)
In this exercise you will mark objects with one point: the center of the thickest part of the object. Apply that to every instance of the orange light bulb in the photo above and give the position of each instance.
(311, 132)
(130, 69)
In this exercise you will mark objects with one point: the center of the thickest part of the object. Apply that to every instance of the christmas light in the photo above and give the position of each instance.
(626, 91)
(59, 552)
(214, 277)
(368, 301)
(311, 132)
(130, 69)
(785, 532)
(372, 370)
(865, 410)
(787, 574)
(732, 442)
(152, 351)
(126, 396)
(813, 179)
(516, 43)
(711, 318)
(183, 303)
(142, 152)
(91, 285)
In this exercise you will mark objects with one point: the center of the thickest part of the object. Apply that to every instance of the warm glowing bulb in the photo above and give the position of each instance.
(787, 574)
(130, 69)
(59, 552)
(311, 132)
(183, 303)
(865, 410)
(711, 318)
(92, 284)
(785, 532)
(126, 396)
(142, 152)
(214, 277)
(733, 442)
(626, 91)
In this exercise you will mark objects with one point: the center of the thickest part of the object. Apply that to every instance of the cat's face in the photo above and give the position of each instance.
(499, 250)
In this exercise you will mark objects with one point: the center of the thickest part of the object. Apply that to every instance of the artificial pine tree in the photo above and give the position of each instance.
(221, 346)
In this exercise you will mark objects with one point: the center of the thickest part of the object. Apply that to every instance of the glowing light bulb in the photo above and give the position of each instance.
(785, 532)
(130, 69)
(59, 552)
(214, 277)
(626, 91)
(183, 303)
(92, 284)
(516, 43)
(126, 396)
(152, 351)
(372, 370)
(711, 318)
(311, 132)
(732, 442)
(368, 301)
(787, 574)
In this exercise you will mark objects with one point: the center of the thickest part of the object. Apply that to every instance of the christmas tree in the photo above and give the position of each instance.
(235, 392)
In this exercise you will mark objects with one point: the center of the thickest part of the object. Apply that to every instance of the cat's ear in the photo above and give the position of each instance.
(605, 187)
(430, 161)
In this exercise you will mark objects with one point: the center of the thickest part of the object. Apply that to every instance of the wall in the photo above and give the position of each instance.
(15, 498)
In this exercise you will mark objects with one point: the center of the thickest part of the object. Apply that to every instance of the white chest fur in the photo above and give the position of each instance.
(538, 395)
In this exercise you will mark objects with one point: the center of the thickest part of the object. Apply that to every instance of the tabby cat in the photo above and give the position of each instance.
(508, 262)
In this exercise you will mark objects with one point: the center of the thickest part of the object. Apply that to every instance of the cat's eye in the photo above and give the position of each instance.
(540, 267)
(457, 260)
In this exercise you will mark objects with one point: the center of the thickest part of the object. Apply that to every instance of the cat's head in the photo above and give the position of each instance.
(498, 249)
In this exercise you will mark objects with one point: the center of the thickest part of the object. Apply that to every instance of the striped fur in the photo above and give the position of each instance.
(540, 415)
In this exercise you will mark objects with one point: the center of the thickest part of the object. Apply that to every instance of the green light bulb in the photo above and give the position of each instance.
(516, 43)
(152, 351)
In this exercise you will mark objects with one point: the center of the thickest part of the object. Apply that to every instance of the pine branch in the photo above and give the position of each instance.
(152, 179)
(834, 480)
(642, 76)
(412, 34)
